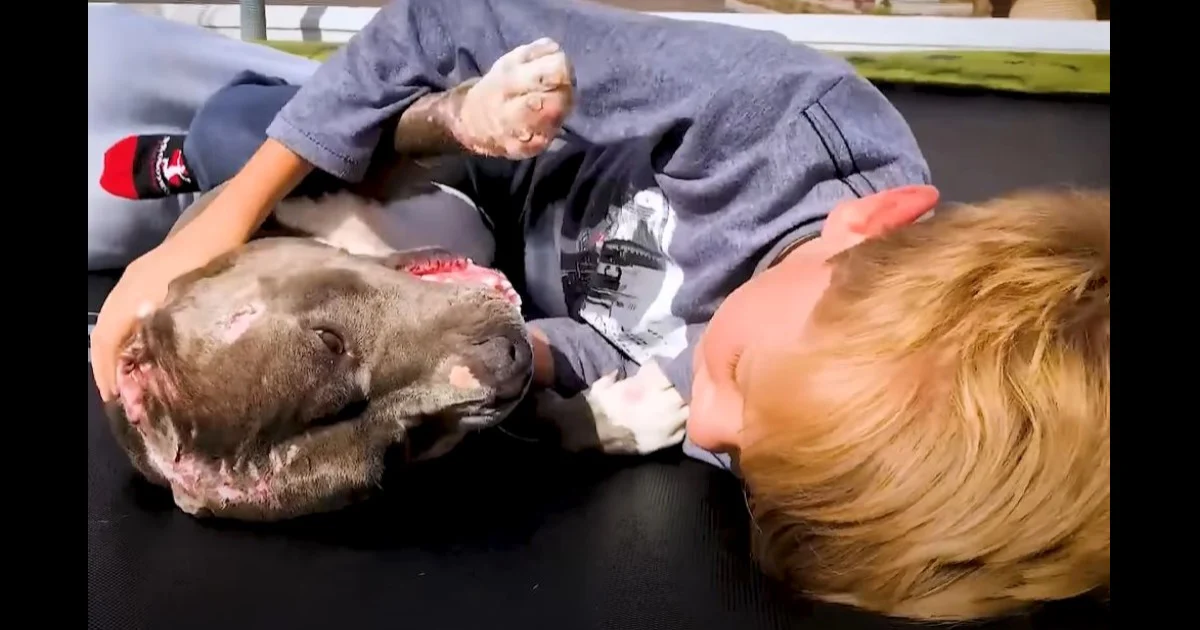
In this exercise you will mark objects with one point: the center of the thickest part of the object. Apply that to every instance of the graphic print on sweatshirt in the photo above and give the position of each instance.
(620, 280)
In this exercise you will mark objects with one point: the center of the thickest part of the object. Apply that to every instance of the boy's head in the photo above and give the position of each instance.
(922, 414)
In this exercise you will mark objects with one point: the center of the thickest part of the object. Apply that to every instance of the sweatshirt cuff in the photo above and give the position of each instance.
(581, 355)
(316, 152)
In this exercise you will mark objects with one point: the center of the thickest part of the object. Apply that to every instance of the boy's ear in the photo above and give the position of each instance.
(857, 220)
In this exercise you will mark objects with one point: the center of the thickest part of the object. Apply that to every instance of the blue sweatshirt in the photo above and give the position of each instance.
(694, 151)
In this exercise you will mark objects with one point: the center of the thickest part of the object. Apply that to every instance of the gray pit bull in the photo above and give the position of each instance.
(272, 381)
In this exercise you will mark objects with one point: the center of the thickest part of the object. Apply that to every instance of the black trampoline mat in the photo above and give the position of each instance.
(504, 534)
(500, 534)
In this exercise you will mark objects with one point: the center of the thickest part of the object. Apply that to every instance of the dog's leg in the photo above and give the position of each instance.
(342, 220)
(270, 227)
(637, 415)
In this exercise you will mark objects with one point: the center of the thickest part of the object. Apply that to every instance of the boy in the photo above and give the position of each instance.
(691, 151)
(921, 410)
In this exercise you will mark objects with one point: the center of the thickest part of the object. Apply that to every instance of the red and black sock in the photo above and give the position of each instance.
(147, 167)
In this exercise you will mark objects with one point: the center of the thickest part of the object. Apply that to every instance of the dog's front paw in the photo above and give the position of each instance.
(634, 416)
(518, 107)
(644, 407)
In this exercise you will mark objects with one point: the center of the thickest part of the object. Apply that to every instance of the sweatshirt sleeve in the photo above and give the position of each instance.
(336, 119)
(771, 181)
(635, 74)
(581, 354)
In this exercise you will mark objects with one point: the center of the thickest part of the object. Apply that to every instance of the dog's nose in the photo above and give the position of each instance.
(508, 361)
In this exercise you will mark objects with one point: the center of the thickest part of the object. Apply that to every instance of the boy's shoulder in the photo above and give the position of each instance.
(776, 65)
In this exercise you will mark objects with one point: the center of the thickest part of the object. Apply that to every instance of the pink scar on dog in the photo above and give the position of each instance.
(462, 378)
(135, 375)
(463, 271)
(240, 321)
(197, 481)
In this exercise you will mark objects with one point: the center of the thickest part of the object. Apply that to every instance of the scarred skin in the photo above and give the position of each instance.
(272, 380)
(512, 112)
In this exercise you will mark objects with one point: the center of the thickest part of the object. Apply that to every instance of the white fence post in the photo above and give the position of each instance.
(254, 19)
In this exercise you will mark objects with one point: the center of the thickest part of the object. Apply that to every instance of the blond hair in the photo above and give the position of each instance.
(938, 448)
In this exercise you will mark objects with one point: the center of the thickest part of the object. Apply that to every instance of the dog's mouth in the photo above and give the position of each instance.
(463, 271)
(494, 411)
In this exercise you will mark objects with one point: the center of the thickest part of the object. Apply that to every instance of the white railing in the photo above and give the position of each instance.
(337, 24)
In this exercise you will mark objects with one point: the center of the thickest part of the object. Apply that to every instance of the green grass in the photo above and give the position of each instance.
(313, 50)
(800, 7)
(1038, 73)
(1034, 73)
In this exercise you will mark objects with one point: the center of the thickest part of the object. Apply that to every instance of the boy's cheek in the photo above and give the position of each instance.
(714, 417)
(700, 408)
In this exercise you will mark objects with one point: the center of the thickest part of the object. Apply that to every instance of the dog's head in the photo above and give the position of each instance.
(272, 381)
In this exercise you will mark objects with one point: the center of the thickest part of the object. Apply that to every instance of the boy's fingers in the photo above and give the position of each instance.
(105, 343)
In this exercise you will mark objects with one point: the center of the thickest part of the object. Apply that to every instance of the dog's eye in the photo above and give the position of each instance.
(331, 341)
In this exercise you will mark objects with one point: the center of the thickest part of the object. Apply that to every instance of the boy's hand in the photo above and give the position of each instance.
(142, 287)
(635, 416)
(227, 222)
(518, 107)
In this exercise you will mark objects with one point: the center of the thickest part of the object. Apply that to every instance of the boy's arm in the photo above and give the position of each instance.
(238, 210)
(409, 49)
(760, 186)
(635, 75)
(227, 223)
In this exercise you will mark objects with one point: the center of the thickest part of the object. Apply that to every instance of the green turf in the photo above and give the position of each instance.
(1043, 73)
(312, 50)
(1040, 73)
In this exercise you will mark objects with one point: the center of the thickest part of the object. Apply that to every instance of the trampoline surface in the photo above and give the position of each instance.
(503, 534)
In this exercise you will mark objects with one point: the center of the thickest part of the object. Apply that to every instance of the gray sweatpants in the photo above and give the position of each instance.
(149, 75)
